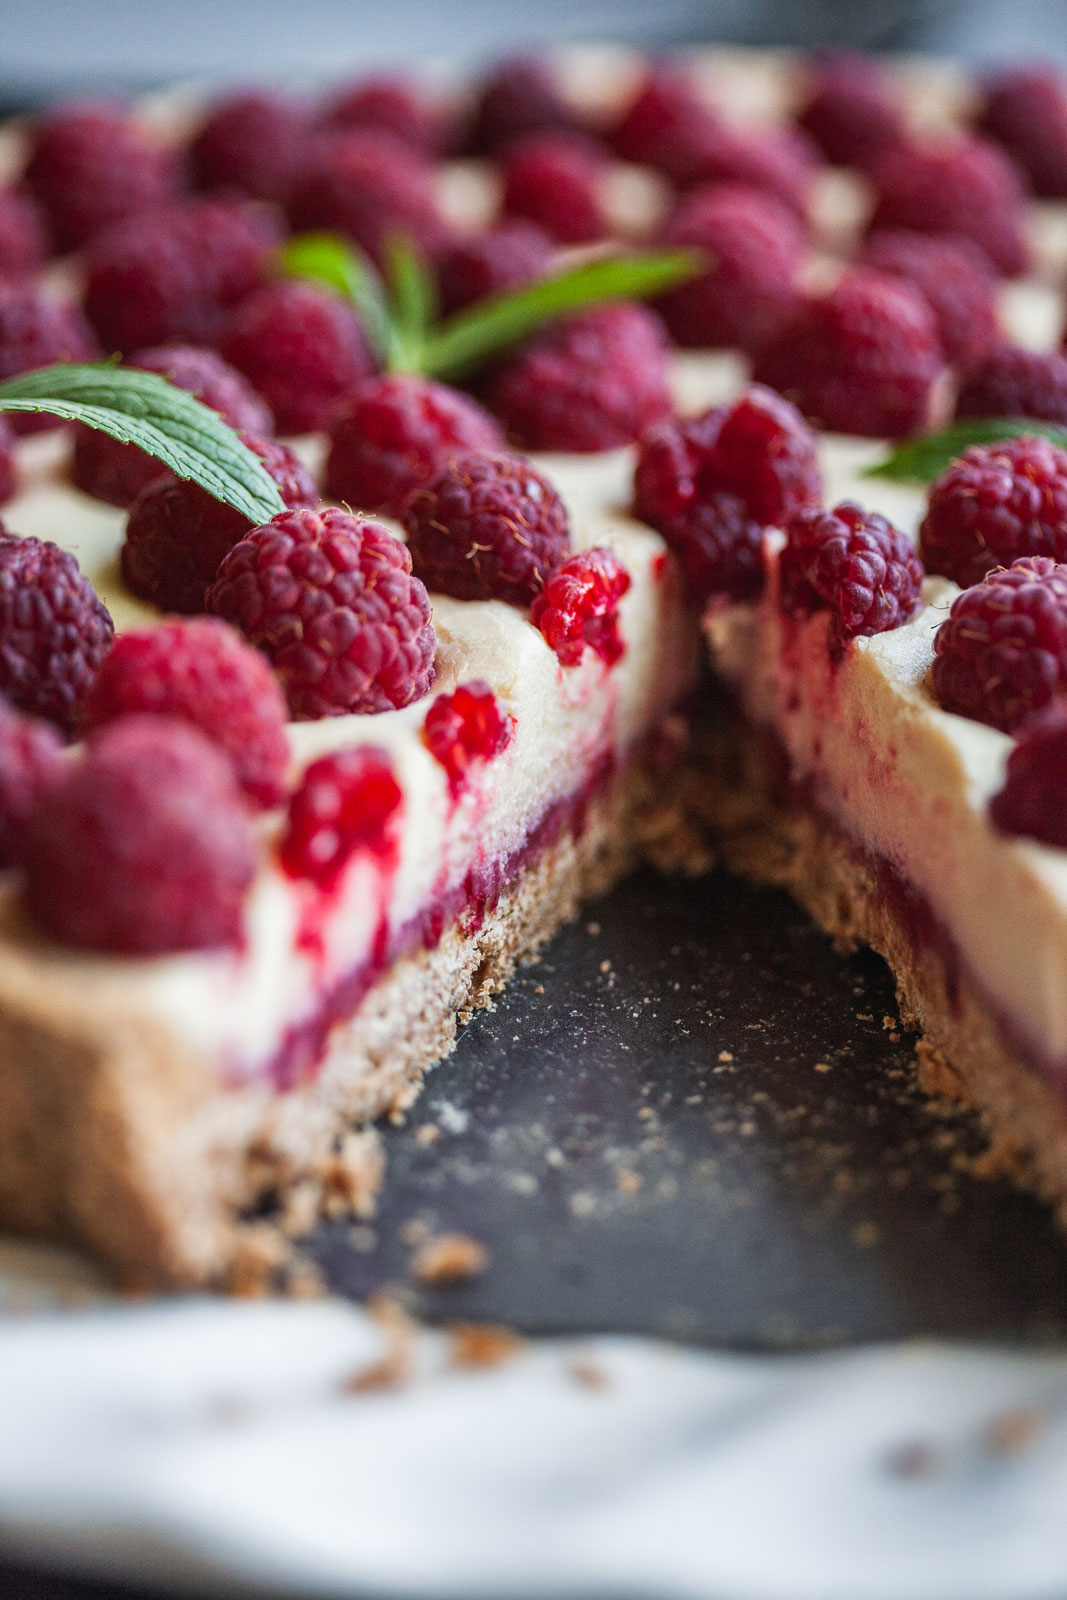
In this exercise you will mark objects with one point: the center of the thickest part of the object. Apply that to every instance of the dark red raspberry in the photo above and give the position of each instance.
(578, 609)
(507, 256)
(718, 547)
(965, 186)
(756, 248)
(489, 527)
(953, 277)
(589, 382)
(8, 475)
(554, 179)
(118, 472)
(861, 358)
(765, 453)
(395, 434)
(392, 104)
(852, 563)
(664, 116)
(203, 672)
(1033, 800)
(144, 848)
(36, 329)
(465, 729)
(253, 143)
(1012, 382)
(518, 98)
(778, 161)
(1025, 110)
(31, 761)
(54, 630)
(1001, 653)
(368, 186)
(304, 349)
(177, 533)
(331, 602)
(994, 503)
(174, 273)
(345, 802)
(91, 165)
(24, 242)
(852, 110)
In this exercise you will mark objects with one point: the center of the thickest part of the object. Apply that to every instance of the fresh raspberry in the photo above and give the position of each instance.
(518, 98)
(390, 104)
(852, 111)
(54, 630)
(664, 115)
(395, 434)
(369, 187)
(466, 729)
(203, 672)
(253, 143)
(8, 475)
(554, 179)
(489, 527)
(965, 186)
(24, 242)
(35, 330)
(331, 601)
(765, 453)
(91, 165)
(853, 563)
(304, 349)
(1033, 800)
(861, 358)
(177, 533)
(953, 277)
(578, 609)
(144, 848)
(118, 472)
(31, 761)
(507, 256)
(1013, 382)
(174, 273)
(781, 162)
(589, 382)
(755, 246)
(1025, 110)
(994, 503)
(1001, 653)
(345, 802)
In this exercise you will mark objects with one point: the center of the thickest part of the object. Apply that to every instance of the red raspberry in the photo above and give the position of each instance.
(24, 242)
(253, 143)
(507, 256)
(861, 358)
(203, 672)
(465, 729)
(331, 602)
(1026, 111)
(369, 187)
(554, 179)
(1012, 382)
(1001, 653)
(578, 608)
(390, 104)
(963, 186)
(36, 329)
(518, 98)
(853, 563)
(177, 533)
(953, 277)
(852, 110)
(91, 165)
(996, 502)
(395, 434)
(1033, 800)
(304, 349)
(664, 117)
(144, 848)
(589, 382)
(766, 454)
(345, 802)
(756, 248)
(118, 472)
(174, 273)
(54, 630)
(31, 761)
(778, 161)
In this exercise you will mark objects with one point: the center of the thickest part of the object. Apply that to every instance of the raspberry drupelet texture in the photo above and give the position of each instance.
(304, 349)
(518, 98)
(36, 329)
(253, 143)
(368, 186)
(466, 729)
(177, 533)
(1013, 382)
(392, 104)
(993, 504)
(1001, 653)
(861, 358)
(395, 434)
(507, 256)
(115, 472)
(345, 802)
(54, 630)
(489, 527)
(31, 761)
(1025, 110)
(331, 601)
(203, 672)
(554, 179)
(765, 452)
(24, 242)
(851, 110)
(578, 609)
(144, 848)
(590, 382)
(962, 186)
(1033, 800)
(852, 563)
(953, 277)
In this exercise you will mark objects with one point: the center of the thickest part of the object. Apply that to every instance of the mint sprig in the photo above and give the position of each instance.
(169, 423)
(924, 459)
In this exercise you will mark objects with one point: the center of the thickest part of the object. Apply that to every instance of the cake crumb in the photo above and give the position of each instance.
(865, 1235)
(259, 1254)
(304, 1281)
(1014, 1430)
(935, 1074)
(479, 1345)
(629, 1182)
(823, 1066)
(726, 1055)
(448, 1258)
(393, 1369)
(588, 1374)
(353, 1175)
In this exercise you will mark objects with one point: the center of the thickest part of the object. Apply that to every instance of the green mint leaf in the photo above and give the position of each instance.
(144, 409)
(924, 459)
(329, 259)
(472, 336)
(411, 302)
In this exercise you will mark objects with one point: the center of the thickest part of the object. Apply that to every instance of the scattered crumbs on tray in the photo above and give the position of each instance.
(449, 1258)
